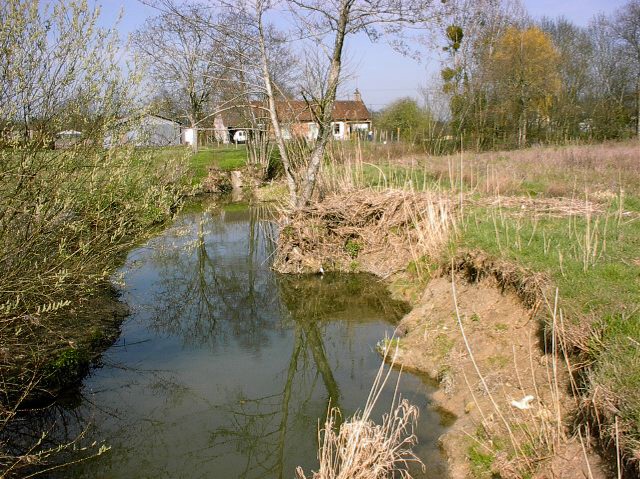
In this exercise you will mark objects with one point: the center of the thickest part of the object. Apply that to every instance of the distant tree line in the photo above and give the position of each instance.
(510, 82)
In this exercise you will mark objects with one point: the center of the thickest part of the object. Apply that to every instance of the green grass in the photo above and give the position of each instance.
(224, 158)
(353, 247)
(479, 461)
(618, 366)
(554, 245)
(632, 203)
(397, 176)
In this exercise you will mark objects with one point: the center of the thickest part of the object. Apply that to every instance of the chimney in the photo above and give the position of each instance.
(357, 96)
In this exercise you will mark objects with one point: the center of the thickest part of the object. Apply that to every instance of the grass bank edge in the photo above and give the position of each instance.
(109, 201)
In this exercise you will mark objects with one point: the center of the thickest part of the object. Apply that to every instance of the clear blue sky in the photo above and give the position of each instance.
(381, 74)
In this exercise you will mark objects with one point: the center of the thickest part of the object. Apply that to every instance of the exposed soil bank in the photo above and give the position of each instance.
(489, 355)
(504, 342)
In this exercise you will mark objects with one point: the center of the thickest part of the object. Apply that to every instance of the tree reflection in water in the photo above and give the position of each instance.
(206, 296)
(311, 303)
(234, 365)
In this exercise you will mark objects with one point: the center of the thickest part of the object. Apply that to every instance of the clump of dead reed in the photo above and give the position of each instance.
(356, 230)
(358, 448)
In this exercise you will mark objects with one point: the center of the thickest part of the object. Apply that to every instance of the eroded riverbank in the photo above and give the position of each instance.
(500, 348)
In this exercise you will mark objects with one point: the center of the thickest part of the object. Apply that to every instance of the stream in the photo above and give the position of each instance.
(224, 369)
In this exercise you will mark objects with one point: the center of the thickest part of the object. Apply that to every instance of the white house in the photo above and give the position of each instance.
(350, 118)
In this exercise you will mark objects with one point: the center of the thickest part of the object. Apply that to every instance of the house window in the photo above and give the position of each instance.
(336, 128)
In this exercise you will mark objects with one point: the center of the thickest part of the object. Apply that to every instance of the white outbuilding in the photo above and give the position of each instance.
(147, 130)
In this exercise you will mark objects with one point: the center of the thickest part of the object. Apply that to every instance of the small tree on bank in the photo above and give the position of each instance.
(67, 216)
(184, 63)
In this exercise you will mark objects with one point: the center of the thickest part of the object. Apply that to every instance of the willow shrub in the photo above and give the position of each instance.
(67, 217)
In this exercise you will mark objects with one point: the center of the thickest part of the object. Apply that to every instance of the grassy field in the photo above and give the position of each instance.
(601, 170)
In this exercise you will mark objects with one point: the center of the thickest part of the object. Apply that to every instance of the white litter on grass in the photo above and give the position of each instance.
(524, 403)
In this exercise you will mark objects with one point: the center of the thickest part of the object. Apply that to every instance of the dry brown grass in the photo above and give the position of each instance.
(562, 171)
(541, 207)
(357, 229)
(358, 448)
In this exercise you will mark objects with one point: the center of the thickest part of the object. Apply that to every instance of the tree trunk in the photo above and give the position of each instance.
(194, 143)
(273, 114)
(638, 107)
(194, 128)
(522, 131)
(325, 127)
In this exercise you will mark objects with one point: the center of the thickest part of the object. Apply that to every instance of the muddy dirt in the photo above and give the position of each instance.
(504, 340)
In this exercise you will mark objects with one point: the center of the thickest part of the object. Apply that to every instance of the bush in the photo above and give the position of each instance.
(67, 217)
(413, 121)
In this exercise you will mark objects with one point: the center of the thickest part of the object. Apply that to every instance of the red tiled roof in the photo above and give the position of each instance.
(297, 111)
(350, 110)
(343, 110)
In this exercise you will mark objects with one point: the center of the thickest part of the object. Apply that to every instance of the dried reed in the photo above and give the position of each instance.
(411, 224)
(361, 449)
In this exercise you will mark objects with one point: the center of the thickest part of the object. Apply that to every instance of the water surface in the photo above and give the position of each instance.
(224, 368)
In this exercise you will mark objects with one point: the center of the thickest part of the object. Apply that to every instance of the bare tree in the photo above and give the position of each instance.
(472, 31)
(183, 61)
(245, 90)
(329, 24)
(609, 78)
(626, 26)
(326, 25)
(574, 45)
